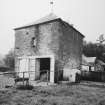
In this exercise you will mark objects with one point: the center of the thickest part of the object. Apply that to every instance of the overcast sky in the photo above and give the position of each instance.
(88, 16)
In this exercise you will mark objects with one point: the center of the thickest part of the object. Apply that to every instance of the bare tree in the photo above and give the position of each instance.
(101, 38)
(9, 59)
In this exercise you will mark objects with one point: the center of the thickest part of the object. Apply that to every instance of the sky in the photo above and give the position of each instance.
(87, 16)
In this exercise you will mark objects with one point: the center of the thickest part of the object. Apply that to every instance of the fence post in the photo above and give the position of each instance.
(47, 77)
(58, 76)
(23, 78)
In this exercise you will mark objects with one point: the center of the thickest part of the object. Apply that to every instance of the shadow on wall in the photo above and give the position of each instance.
(58, 71)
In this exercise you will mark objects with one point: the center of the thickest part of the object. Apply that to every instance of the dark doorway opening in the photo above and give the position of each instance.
(44, 69)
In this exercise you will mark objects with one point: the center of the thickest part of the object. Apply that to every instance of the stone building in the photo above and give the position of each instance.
(48, 44)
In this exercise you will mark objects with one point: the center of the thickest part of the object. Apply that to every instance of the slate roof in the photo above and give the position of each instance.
(100, 62)
(47, 18)
(88, 60)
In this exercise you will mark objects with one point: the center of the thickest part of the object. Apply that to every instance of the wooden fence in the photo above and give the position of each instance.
(10, 78)
(93, 76)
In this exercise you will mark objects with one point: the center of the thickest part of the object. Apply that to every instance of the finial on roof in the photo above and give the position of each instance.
(52, 5)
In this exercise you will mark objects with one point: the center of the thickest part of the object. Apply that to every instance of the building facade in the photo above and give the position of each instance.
(48, 44)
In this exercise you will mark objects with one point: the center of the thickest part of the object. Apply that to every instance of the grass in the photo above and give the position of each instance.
(85, 93)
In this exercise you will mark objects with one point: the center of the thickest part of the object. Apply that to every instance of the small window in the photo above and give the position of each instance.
(33, 42)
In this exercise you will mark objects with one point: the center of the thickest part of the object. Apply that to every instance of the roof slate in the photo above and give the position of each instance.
(87, 60)
(47, 18)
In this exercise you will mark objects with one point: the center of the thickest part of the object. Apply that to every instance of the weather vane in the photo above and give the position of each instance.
(52, 4)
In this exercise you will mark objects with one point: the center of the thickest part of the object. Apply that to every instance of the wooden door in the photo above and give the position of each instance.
(32, 68)
(23, 67)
